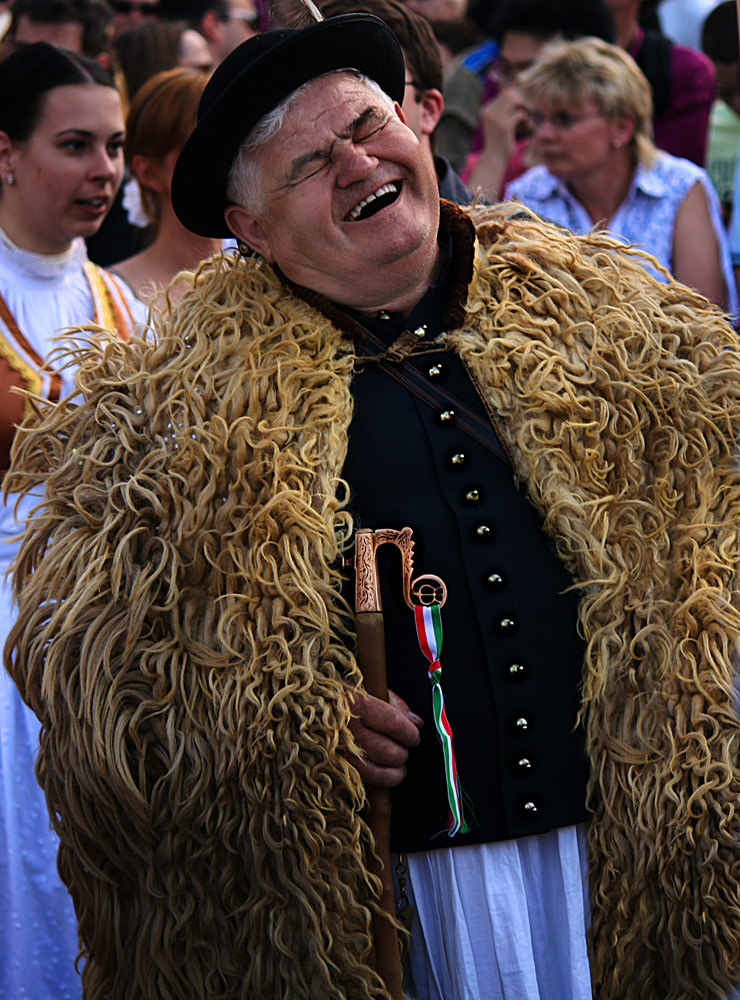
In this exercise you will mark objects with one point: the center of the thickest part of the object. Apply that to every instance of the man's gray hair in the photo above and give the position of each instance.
(244, 182)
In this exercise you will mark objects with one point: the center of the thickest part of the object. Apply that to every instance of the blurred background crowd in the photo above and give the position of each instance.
(613, 113)
(498, 124)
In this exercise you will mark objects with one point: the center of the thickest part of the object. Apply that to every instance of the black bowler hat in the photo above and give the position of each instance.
(253, 80)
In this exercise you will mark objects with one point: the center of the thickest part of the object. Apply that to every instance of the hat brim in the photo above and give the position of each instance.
(253, 80)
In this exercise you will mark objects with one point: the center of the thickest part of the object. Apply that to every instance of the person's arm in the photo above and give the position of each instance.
(500, 119)
(696, 255)
(384, 731)
(453, 136)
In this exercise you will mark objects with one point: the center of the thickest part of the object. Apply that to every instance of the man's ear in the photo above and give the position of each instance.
(247, 227)
(211, 26)
(432, 104)
(399, 112)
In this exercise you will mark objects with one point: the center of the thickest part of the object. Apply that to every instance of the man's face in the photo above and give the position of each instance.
(421, 107)
(129, 13)
(517, 52)
(728, 84)
(67, 34)
(351, 201)
(240, 22)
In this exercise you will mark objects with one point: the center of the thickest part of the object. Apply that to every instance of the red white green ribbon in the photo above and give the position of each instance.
(429, 633)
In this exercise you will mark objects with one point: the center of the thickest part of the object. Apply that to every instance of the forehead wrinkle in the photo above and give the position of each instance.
(300, 162)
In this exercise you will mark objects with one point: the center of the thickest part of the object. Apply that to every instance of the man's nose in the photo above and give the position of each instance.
(355, 163)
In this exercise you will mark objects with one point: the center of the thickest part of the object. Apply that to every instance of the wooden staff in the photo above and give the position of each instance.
(371, 658)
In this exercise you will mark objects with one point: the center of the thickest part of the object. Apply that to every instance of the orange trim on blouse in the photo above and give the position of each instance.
(22, 368)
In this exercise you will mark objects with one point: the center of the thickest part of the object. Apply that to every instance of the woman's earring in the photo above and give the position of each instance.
(9, 179)
(616, 144)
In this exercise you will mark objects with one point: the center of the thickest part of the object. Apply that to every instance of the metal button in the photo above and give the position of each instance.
(446, 416)
(524, 764)
(521, 725)
(483, 533)
(436, 371)
(529, 808)
(472, 498)
(420, 331)
(516, 671)
(505, 626)
(459, 459)
(494, 581)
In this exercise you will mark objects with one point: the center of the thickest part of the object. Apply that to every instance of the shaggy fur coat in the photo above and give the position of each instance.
(182, 640)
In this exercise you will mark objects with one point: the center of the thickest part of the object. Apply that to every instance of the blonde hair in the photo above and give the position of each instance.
(567, 73)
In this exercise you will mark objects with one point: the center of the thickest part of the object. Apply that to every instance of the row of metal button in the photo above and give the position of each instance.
(522, 765)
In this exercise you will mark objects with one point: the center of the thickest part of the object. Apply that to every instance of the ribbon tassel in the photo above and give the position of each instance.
(429, 633)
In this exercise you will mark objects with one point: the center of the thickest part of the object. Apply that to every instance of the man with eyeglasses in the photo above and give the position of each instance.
(224, 23)
(129, 13)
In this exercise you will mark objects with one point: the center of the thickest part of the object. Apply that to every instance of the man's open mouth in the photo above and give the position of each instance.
(385, 195)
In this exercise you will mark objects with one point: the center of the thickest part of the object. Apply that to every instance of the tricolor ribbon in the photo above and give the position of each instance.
(429, 633)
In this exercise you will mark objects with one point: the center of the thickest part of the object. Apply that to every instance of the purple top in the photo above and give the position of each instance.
(682, 128)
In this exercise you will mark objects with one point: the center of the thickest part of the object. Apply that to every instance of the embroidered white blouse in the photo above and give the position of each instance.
(38, 929)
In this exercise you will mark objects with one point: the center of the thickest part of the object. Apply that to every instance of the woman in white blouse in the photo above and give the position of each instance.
(61, 162)
(590, 109)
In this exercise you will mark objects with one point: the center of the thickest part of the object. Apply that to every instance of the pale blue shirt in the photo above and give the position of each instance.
(646, 217)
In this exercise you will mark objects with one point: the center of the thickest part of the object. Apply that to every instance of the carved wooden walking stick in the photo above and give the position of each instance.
(371, 658)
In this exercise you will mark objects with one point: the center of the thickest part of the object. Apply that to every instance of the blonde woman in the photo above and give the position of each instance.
(590, 109)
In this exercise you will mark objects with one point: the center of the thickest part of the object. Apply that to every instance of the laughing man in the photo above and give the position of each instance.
(558, 430)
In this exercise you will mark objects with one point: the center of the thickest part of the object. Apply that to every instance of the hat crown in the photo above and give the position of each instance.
(240, 59)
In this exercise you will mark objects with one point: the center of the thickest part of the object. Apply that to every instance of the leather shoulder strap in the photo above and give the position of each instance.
(394, 362)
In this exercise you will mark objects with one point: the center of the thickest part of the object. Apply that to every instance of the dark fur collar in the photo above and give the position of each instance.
(452, 220)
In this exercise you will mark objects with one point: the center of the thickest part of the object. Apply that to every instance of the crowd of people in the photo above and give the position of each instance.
(552, 346)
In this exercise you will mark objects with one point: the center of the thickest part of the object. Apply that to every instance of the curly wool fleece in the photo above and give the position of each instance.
(180, 634)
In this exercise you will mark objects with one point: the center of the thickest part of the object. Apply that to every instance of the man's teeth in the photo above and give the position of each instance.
(385, 189)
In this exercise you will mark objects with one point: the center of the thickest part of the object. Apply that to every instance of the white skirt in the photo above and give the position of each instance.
(38, 928)
(502, 921)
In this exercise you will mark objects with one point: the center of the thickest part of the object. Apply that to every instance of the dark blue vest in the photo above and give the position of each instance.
(511, 656)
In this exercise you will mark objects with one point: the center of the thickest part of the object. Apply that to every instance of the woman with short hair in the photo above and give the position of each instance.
(590, 108)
